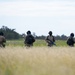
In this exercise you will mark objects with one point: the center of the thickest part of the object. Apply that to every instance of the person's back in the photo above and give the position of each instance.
(2, 40)
(29, 40)
(71, 40)
(50, 39)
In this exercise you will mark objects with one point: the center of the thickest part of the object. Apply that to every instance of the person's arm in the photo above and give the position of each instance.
(25, 40)
(73, 39)
(33, 39)
(47, 40)
(53, 39)
(4, 40)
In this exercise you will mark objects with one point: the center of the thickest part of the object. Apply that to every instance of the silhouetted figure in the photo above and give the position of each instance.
(2, 40)
(29, 40)
(50, 39)
(71, 40)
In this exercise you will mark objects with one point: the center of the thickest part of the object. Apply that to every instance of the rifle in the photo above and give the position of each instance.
(51, 43)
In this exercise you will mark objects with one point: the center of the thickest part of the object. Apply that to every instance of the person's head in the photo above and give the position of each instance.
(50, 33)
(1, 33)
(28, 32)
(72, 34)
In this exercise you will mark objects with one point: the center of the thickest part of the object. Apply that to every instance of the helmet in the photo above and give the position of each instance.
(28, 32)
(72, 34)
(50, 32)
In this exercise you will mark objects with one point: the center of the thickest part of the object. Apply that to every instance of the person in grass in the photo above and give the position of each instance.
(70, 40)
(29, 39)
(2, 40)
(50, 39)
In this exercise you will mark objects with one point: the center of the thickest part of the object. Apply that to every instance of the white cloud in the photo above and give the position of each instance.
(29, 8)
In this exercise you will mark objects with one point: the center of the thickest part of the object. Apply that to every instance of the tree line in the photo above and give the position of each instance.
(58, 37)
(11, 34)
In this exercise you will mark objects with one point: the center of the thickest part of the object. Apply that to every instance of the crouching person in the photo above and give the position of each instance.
(50, 39)
(2, 40)
(70, 40)
(29, 39)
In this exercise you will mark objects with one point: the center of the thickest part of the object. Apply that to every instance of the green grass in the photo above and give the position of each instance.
(37, 43)
(61, 43)
(15, 43)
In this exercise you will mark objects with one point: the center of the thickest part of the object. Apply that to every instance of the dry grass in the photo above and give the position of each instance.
(37, 61)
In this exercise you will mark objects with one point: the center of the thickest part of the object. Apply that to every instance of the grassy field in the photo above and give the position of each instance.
(40, 59)
(37, 60)
(37, 43)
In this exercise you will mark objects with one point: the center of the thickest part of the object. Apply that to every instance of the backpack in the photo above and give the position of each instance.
(30, 39)
(70, 41)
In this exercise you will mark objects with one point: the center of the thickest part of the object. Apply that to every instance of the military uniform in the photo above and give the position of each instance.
(70, 40)
(29, 40)
(50, 39)
(2, 41)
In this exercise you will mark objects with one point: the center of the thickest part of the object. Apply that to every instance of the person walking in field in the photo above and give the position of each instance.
(2, 40)
(50, 39)
(29, 39)
(70, 40)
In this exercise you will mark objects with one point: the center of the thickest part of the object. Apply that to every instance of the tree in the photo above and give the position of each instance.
(10, 33)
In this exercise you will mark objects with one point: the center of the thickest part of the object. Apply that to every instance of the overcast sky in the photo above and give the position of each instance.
(39, 16)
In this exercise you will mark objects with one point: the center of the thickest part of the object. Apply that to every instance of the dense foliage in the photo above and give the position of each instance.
(10, 33)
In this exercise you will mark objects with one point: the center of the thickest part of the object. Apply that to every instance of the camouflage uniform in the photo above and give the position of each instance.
(50, 39)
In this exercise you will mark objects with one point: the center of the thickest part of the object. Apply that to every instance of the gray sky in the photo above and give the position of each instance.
(39, 16)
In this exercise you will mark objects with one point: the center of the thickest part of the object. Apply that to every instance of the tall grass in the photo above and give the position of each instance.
(37, 61)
